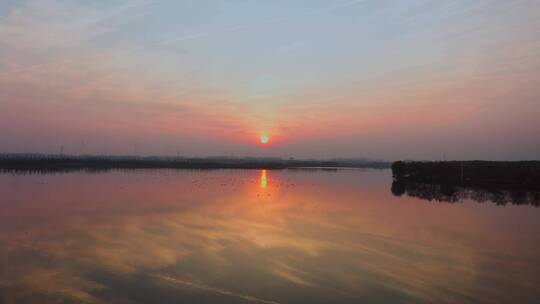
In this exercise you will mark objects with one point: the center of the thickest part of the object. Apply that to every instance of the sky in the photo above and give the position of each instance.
(404, 79)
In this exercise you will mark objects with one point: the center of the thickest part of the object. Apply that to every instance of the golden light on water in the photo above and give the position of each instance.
(263, 179)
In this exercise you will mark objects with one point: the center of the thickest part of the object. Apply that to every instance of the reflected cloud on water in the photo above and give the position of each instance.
(251, 236)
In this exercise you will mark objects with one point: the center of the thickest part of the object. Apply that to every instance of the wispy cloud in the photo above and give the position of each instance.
(271, 21)
(304, 73)
(214, 289)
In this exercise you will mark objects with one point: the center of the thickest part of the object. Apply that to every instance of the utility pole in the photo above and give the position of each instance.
(461, 171)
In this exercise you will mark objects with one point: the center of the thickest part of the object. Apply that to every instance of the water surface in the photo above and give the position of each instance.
(256, 236)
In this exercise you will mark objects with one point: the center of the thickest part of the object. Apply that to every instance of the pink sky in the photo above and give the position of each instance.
(377, 79)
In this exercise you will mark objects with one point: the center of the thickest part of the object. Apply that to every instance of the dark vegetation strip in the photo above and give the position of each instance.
(61, 163)
(488, 173)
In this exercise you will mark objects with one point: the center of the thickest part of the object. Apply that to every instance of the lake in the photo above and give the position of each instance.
(258, 236)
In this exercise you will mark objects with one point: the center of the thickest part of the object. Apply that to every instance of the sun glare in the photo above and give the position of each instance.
(264, 139)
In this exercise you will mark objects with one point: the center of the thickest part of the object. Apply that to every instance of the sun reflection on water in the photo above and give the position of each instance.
(263, 179)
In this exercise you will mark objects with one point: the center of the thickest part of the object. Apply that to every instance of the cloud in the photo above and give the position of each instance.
(271, 21)
(213, 289)
(57, 51)
(71, 70)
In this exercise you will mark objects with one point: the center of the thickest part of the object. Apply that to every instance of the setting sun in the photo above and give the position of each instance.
(264, 139)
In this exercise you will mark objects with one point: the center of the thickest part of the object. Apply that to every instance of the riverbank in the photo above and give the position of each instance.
(520, 174)
(64, 162)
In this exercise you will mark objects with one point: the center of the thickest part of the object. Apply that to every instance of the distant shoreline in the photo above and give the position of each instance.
(69, 162)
